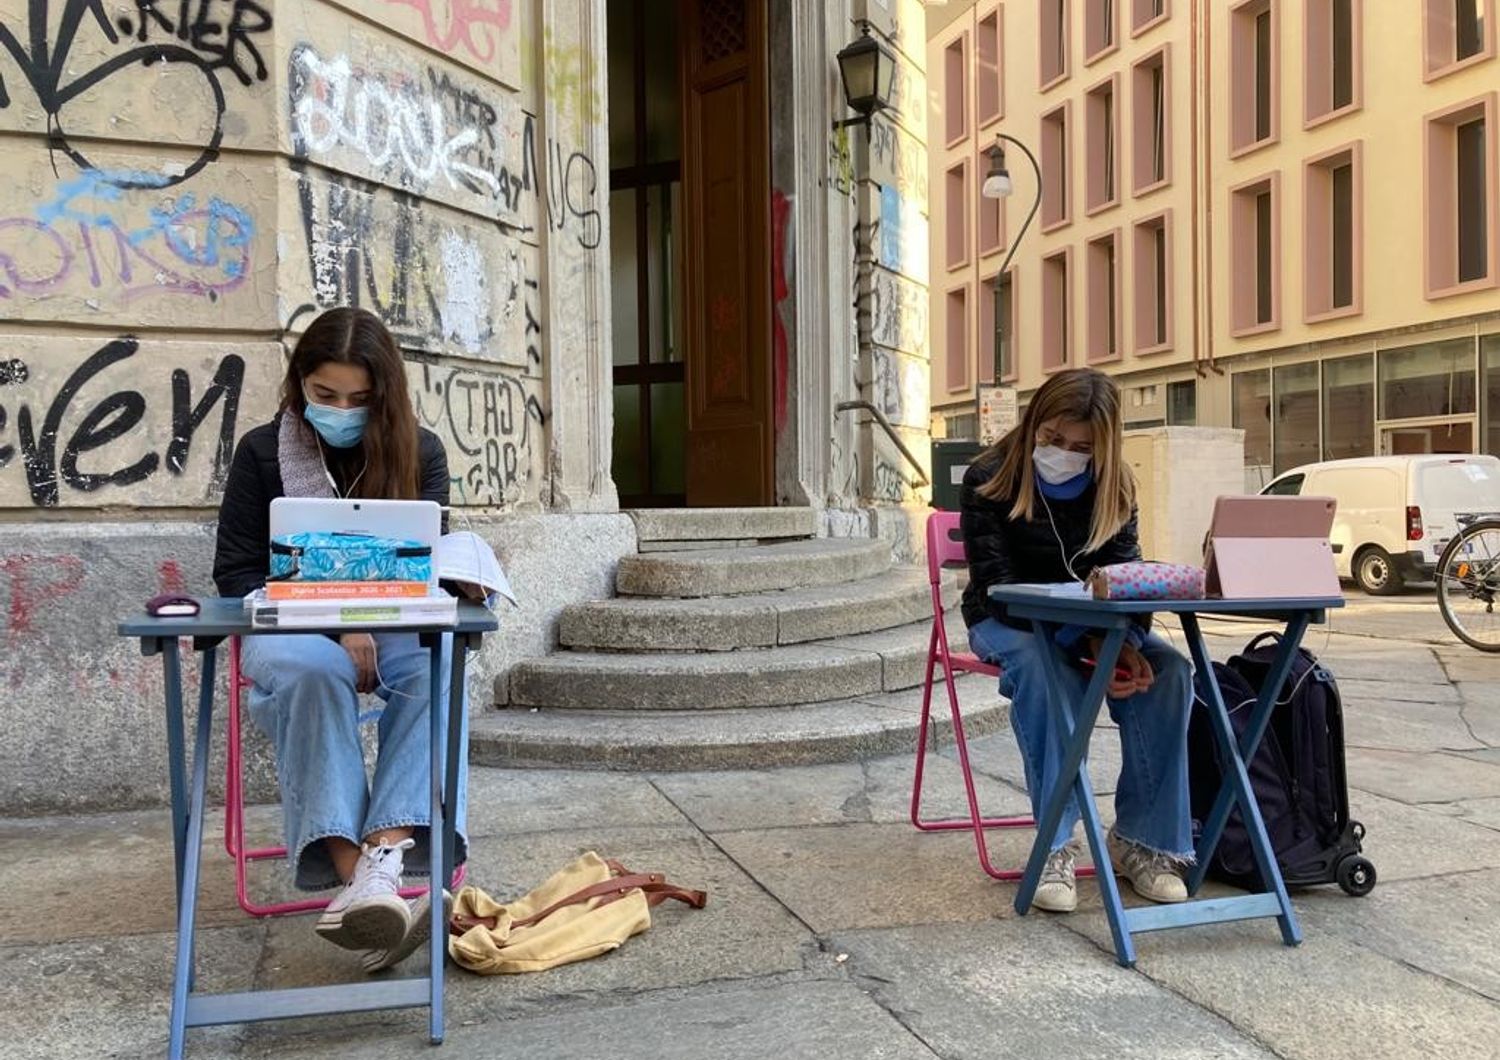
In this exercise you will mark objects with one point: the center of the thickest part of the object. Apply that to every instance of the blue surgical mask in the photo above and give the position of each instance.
(340, 428)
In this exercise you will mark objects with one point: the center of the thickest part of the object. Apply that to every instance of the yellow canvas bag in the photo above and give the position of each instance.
(587, 908)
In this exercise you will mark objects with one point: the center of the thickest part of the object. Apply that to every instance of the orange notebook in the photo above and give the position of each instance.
(345, 590)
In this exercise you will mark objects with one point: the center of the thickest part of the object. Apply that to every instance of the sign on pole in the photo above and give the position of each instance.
(997, 412)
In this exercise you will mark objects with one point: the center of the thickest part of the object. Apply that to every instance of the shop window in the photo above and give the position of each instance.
(1349, 407)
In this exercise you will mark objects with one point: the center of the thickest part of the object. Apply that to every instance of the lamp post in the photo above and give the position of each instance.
(867, 68)
(998, 185)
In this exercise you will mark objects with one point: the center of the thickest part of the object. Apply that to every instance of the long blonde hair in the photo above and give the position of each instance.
(1081, 395)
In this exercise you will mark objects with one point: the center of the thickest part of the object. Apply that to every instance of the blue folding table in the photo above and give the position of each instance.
(217, 620)
(1047, 613)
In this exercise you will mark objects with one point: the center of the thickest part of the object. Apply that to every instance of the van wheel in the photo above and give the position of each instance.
(1376, 574)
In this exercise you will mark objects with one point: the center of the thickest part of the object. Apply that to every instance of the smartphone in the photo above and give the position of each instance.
(1121, 674)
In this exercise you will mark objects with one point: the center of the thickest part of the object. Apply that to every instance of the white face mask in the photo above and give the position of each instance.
(1057, 465)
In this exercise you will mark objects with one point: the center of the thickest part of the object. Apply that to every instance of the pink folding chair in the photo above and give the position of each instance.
(945, 545)
(234, 815)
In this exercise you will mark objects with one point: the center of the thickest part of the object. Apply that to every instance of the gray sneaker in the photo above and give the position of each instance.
(416, 936)
(1058, 890)
(368, 913)
(1154, 876)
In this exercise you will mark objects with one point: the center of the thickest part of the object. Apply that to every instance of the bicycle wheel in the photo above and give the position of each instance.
(1468, 585)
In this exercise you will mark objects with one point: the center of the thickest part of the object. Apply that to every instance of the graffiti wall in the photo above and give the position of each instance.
(191, 182)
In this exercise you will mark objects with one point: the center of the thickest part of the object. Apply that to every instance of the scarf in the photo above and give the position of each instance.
(303, 473)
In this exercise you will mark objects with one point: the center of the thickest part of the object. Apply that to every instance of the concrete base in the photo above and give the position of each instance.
(83, 726)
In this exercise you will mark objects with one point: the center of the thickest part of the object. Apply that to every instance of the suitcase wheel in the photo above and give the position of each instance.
(1359, 831)
(1356, 875)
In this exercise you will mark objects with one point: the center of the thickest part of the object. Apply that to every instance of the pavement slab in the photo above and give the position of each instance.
(110, 996)
(508, 801)
(1418, 777)
(1406, 726)
(1330, 998)
(998, 756)
(1442, 925)
(1414, 842)
(804, 1021)
(1031, 988)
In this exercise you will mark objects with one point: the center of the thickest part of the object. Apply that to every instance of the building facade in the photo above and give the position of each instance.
(627, 256)
(1276, 215)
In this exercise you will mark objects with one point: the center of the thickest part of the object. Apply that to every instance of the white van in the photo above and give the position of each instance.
(1395, 513)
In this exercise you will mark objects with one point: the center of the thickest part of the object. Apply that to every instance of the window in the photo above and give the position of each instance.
(957, 339)
(1331, 63)
(991, 225)
(1057, 309)
(1251, 398)
(1053, 40)
(1297, 403)
(956, 89)
(1349, 407)
(956, 214)
(1286, 486)
(1145, 14)
(1253, 72)
(1102, 133)
(1009, 352)
(997, 328)
(1332, 243)
(1255, 222)
(1461, 198)
(1182, 403)
(1150, 146)
(1099, 36)
(1456, 34)
(1103, 306)
(988, 84)
(1431, 379)
(1056, 158)
(1151, 270)
(1489, 347)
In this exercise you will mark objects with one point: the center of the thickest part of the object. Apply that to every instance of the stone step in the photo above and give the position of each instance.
(759, 620)
(730, 739)
(712, 681)
(656, 525)
(738, 571)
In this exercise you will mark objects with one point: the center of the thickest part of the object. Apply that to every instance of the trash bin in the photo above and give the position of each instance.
(951, 457)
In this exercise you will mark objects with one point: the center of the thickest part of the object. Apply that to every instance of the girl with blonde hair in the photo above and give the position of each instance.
(1049, 502)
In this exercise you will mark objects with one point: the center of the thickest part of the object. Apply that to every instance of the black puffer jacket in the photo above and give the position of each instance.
(1003, 551)
(242, 554)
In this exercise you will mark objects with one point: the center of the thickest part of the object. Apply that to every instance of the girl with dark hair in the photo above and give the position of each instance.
(1049, 502)
(346, 428)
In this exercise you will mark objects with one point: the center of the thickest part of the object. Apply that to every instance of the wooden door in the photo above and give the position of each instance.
(726, 182)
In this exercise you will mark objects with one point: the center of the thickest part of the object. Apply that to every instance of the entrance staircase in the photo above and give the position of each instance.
(738, 640)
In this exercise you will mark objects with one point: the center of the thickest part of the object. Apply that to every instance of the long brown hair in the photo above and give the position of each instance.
(356, 336)
(1081, 395)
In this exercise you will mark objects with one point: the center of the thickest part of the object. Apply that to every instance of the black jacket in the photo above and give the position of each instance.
(1003, 551)
(242, 554)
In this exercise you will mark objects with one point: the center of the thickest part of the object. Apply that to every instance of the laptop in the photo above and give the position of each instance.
(419, 521)
(1271, 547)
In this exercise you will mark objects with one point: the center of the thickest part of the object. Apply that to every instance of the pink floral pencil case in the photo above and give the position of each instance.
(1147, 581)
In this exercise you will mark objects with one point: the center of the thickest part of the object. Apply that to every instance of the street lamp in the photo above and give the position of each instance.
(998, 185)
(867, 68)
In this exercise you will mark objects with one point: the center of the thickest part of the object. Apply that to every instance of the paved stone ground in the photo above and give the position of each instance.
(834, 930)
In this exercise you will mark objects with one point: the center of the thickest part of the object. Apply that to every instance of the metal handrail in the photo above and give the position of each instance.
(846, 406)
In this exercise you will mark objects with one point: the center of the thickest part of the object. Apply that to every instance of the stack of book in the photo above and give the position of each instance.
(324, 605)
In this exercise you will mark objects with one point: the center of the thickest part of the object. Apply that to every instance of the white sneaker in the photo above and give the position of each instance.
(417, 934)
(1154, 876)
(369, 914)
(1058, 890)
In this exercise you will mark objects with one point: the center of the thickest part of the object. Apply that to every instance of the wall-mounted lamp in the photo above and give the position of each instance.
(868, 69)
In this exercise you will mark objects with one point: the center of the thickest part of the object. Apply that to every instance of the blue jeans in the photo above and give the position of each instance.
(1151, 798)
(304, 699)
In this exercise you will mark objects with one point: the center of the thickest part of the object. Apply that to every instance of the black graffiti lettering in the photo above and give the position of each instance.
(13, 371)
(491, 410)
(512, 463)
(186, 417)
(44, 64)
(7, 452)
(493, 476)
(40, 447)
(113, 418)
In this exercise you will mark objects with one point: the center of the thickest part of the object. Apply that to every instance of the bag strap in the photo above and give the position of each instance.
(653, 884)
(1269, 634)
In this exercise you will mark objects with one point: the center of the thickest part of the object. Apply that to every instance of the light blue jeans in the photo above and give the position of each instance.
(304, 699)
(1151, 797)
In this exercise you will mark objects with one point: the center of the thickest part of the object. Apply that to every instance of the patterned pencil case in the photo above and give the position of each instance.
(344, 557)
(1147, 581)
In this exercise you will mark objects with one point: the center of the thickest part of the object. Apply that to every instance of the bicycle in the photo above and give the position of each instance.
(1468, 584)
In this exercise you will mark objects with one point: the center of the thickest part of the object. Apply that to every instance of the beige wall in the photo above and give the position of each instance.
(434, 162)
